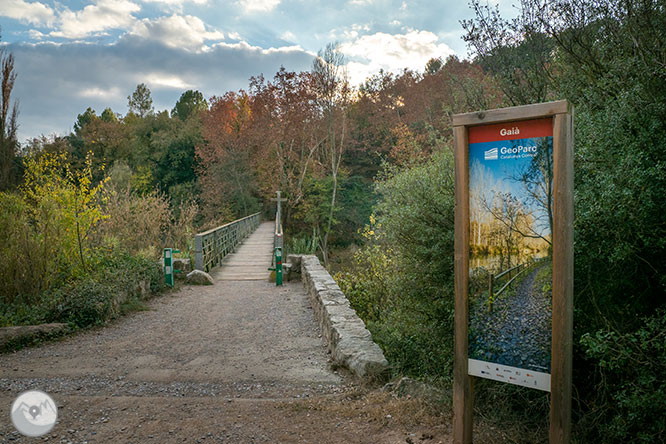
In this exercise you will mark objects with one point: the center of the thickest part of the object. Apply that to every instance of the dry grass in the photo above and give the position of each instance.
(143, 223)
(379, 407)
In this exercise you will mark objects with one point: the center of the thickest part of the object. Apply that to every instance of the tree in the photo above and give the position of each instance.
(108, 116)
(333, 97)
(8, 122)
(518, 51)
(190, 103)
(140, 102)
(434, 65)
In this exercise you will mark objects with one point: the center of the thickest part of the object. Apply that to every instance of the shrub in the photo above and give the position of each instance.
(47, 227)
(401, 284)
(92, 299)
(135, 221)
(630, 402)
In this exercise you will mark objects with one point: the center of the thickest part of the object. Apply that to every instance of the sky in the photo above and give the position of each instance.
(71, 55)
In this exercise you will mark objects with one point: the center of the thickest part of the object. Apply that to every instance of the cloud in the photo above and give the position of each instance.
(258, 5)
(391, 52)
(35, 13)
(57, 82)
(166, 81)
(99, 93)
(288, 36)
(103, 15)
(176, 2)
(177, 31)
(173, 5)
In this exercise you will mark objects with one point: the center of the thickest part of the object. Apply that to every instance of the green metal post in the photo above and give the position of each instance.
(168, 266)
(278, 266)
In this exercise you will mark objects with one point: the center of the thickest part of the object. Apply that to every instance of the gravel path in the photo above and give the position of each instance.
(240, 361)
(518, 330)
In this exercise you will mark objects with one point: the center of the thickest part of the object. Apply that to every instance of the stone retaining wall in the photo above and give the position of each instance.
(348, 340)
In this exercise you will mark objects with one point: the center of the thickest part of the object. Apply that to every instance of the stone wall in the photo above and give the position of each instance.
(348, 340)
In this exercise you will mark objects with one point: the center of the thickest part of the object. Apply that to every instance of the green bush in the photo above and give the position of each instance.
(401, 283)
(630, 406)
(92, 299)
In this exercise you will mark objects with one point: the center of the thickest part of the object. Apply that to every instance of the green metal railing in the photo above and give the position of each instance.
(210, 247)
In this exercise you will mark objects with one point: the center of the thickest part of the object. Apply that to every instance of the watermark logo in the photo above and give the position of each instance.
(491, 154)
(34, 413)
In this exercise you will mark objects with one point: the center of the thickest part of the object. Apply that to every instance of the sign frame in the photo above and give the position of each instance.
(562, 289)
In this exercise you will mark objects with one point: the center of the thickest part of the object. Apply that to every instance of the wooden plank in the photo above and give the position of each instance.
(511, 114)
(562, 345)
(462, 382)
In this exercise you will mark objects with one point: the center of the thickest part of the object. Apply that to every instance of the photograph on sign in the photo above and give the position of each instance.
(510, 252)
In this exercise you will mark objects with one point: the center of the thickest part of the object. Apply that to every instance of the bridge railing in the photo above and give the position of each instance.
(210, 247)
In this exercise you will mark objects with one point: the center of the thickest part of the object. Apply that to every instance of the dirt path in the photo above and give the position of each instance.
(234, 362)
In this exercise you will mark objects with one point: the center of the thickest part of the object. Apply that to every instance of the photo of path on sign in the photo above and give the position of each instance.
(510, 232)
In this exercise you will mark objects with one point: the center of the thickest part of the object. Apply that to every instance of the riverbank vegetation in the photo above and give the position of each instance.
(370, 170)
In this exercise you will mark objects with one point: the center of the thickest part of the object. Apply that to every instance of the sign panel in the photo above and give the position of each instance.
(510, 252)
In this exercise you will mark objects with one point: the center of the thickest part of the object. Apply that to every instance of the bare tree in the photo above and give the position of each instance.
(333, 96)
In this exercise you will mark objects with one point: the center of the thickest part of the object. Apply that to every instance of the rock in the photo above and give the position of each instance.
(182, 264)
(198, 277)
(9, 334)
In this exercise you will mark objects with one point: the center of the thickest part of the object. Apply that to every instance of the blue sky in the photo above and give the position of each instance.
(75, 54)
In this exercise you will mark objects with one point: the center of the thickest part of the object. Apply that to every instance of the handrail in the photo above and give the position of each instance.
(210, 247)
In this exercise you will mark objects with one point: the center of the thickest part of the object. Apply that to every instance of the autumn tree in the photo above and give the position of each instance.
(227, 180)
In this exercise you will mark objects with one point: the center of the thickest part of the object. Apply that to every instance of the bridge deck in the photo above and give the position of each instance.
(251, 260)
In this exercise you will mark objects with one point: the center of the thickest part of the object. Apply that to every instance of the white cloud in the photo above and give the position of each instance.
(105, 14)
(288, 35)
(35, 13)
(174, 5)
(412, 50)
(259, 5)
(36, 35)
(100, 93)
(176, 2)
(234, 36)
(245, 47)
(187, 32)
(165, 80)
(361, 2)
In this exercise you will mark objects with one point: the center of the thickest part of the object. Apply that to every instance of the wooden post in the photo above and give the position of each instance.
(562, 345)
(463, 384)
